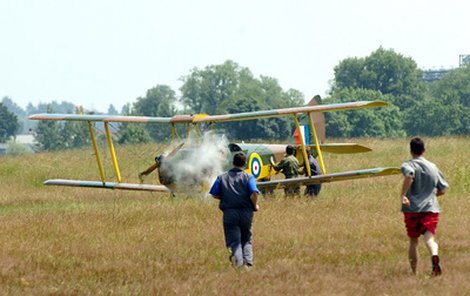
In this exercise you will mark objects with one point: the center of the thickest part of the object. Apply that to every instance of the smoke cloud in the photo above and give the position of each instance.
(196, 166)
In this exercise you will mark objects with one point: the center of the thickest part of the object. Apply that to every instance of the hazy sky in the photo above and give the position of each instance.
(101, 52)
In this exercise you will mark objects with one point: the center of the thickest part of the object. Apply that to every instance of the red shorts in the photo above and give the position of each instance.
(419, 223)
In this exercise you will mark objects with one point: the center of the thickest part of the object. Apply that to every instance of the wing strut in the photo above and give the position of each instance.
(197, 130)
(113, 153)
(97, 154)
(302, 145)
(174, 133)
(317, 144)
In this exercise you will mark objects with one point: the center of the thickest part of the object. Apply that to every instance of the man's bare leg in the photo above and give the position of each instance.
(413, 254)
(431, 243)
(433, 248)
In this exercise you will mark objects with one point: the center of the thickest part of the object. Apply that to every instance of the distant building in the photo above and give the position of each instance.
(432, 75)
(24, 139)
(464, 59)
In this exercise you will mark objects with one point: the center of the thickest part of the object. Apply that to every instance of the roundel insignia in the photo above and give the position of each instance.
(256, 164)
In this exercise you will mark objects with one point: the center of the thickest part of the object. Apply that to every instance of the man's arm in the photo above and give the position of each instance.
(441, 185)
(215, 189)
(302, 170)
(254, 193)
(273, 164)
(277, 167)
(440, 192)
(407, 181)
(254, 201)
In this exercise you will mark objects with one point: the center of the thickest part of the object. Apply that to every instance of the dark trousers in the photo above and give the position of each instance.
(313, 190)
(238, 234)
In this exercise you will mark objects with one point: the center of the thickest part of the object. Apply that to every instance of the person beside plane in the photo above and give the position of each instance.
(238, 197)
(314, 189)
(422, 183)
(289, 166)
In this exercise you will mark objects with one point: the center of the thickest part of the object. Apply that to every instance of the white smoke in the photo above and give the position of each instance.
(198, 164)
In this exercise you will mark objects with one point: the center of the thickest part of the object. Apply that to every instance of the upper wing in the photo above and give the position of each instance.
(116, 118)
(375, 172)
(290, 111)
(102, 118)
(199, 118)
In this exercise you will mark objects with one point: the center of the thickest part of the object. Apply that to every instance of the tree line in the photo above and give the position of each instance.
(437, 108)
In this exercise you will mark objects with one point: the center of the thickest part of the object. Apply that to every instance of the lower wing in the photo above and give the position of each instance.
(106, 185)
(359, 174)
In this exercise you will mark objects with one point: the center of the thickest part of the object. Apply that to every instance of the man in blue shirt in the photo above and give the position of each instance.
(238, 197)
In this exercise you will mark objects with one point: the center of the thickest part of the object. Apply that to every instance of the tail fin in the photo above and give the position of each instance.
(318, 119)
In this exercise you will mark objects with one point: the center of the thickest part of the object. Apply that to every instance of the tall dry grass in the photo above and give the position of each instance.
(350, 241)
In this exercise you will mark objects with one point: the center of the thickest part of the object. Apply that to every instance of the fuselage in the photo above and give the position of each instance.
(186, 169)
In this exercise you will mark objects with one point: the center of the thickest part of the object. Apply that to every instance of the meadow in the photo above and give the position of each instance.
(349, 241)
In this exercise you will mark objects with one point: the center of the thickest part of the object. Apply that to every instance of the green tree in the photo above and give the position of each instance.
(338, 125)
(75, 134)
(204, 90)
(381, 122)
(127, 109)
(453, 87)
(8, 123)
(158, 102)
(56, 135)
(48, 134)
(247, 130)
(229, 88)
(112, 110)
(13, 107)
(445, 110)
(432, 117)
(19, 112)
(348, 74)
(62, 107)
(385, 71)
(133, 134)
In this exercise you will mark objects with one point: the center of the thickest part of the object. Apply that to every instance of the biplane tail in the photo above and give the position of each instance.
(318, 119)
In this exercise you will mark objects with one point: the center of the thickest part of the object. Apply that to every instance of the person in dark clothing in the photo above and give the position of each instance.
(238, 197)
(289, 166)
(314, 189)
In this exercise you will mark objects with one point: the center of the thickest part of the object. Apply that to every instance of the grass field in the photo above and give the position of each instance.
(349, 241)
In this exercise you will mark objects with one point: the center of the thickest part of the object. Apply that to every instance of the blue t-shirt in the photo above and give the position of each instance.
(234, 189)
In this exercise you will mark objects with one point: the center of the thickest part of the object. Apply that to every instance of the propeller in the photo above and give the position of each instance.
(176, 149)
(158, 162)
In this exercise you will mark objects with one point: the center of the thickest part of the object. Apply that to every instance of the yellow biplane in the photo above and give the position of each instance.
(173, 177)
